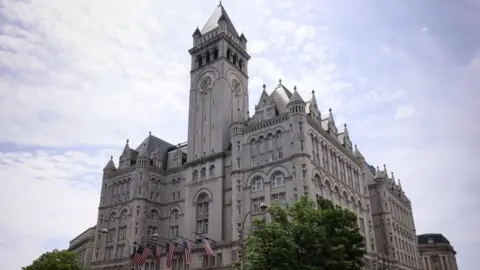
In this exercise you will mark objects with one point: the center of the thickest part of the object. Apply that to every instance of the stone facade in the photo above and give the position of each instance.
(436, 253)
(231, 163)
(393, 224)
(83, 246)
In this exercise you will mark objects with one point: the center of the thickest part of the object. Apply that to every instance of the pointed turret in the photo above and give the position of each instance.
(126, 149)
(295, 98)
(357, 153)
(378, 174)
(218, 15)
(196, 33)
(243, 38)
(110, 165)
(332, 128)
(345, 138)
(313, 108)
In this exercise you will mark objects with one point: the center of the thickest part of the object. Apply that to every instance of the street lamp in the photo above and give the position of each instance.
(263, 207)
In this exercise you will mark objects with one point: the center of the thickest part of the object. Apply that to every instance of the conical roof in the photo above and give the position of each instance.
(357, 153)
(110, 165)
(296, 98)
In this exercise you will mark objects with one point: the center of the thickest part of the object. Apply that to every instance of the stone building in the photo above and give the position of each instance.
(393, 223)
(436, 252)
(232, 162)
(83, 246)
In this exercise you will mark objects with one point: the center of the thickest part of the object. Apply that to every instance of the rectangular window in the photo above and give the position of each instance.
(173, 231)
(202, 225)
(238, 146)
(280, 153)
(300, 126)
(219, 259)
(256, 205)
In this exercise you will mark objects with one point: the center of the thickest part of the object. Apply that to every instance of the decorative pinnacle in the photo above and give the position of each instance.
(384, 167)
(149, 133)
(295, 88)
(279, 80)
(330, 109)
(355, 146)
(264, 86)
(128, 140)
(111, 157)
(345, 125)
(313, 92)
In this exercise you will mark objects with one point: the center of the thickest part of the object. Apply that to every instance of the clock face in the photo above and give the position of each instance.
(206, 83)
(236, 87)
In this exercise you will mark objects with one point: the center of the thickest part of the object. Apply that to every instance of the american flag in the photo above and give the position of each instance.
(188, 251)
(208, 248)
(140, 256)
(171, 250)
(158, 253)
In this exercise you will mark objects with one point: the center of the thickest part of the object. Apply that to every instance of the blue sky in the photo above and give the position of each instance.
(77, 78)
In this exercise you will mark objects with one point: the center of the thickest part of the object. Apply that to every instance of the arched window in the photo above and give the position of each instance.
(234, 60)
(257, 184)
(240, 64)
(195, 175)
(202, 203)
(212, 170)
(113, 217)
(229, 54)
(154, 215)
(174, 214)
(207, 57)
(317, 180)
(199, 60)
(204, 172)
(215, 53)
(278, 179)
(123, 215)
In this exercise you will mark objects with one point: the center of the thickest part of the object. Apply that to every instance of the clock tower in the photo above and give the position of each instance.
(219, 85)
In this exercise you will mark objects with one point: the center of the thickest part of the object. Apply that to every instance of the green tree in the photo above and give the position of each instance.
(56, 260)
(305, 236)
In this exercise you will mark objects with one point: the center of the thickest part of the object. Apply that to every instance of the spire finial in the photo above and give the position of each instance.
(128, 141)
(280, 81)
(313, 92)
(220, 3)
(378, 168)
(111, 157)
(355, 146)
(295, 88)
(264, 87)
(149, 133)
(384, 167)
(345, 125)
(330, 110)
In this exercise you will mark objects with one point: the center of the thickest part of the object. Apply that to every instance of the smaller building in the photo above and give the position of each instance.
(436, 253)
(83, 246)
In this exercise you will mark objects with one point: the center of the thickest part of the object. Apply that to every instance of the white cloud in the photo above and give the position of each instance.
(97, 72)
(404, 111)
(46, 195)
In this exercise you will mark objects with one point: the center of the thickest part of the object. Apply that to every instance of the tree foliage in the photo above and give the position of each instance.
(304, 236)
(55, 260)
